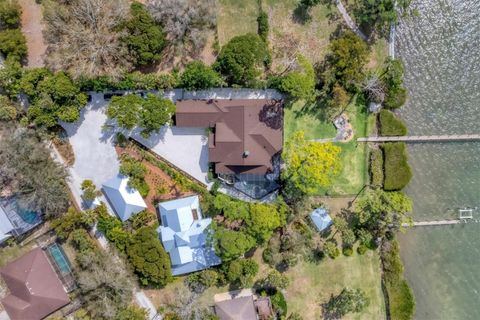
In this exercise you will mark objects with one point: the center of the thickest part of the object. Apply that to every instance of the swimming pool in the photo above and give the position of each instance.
(59, 258)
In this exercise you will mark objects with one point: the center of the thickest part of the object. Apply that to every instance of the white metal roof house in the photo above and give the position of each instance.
(184, 233)
(321, 219)
(123, 199)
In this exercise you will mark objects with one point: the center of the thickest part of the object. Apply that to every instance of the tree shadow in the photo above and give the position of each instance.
(301, 14)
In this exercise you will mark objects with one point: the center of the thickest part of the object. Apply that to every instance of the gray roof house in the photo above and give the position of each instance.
(321, 219)
(123, 199)
(183, 233)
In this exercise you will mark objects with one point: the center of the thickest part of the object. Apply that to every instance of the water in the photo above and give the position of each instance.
(59, 257)
(440, 51)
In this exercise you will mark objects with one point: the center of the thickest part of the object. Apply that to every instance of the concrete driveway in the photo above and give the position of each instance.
(95, 156)
(186, 148)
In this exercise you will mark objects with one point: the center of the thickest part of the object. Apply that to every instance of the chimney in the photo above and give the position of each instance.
(246, 153)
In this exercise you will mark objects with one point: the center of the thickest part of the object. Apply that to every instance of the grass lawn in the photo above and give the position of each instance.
(293, 32)
(313, 125)
(312, 284)
(11, 252)
(235, 18)
(378, 54)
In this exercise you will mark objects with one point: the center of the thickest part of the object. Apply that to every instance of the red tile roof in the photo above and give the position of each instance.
(35, 290)
(248, 133)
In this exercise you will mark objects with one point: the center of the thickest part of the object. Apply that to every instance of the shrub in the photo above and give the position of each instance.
(8, 111)
(397, 170)
(347, 252)
(82, 241)
(140, 219)
(242, 58)
(242, 272)
(13, 44)
(89, 190)
(390, 124)
(275, 280)
(263, 26)
(395, 98)
(279, 304)
(10, 12)
(376, 168)
(300, 84)
(401, 298)
(71, 221)
(145, 39)
(136, 171)
(396, 94)
(198, 76)
(362, 249)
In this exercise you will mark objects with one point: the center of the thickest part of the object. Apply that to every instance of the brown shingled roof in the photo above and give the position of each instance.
(35, 290)
(245, 140)
(236, 309)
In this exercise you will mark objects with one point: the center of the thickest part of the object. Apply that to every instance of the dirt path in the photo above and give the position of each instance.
(32, 28)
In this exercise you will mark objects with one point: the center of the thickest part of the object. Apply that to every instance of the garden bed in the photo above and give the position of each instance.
(162, 186)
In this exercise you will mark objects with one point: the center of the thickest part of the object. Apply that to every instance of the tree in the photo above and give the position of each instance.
(263, 27)
(198, 76)
(275, 280)
(381, 212)
(309, 165)
(309, 3)
(136, 171)
(374, 87)
(132, 110)
(379, 14)
(53, 98)
(148, 257)
(145, 38)
(10, 12)
(84, 37)
(263, 220)
(346, 61)
(186, 24)
(125, 110)
(104, 283)
(392, 77)
(71, 221)
(8, 111)
(155, 113)
(132, 312)
(231, 244)
(242, 272)
(300, 83)
(10, 76)
(348, 238)
(242, 58)
(89, 190)
(13, 44)
(36, 180)
(349, 300)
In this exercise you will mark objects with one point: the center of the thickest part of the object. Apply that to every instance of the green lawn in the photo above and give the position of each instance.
(235, 18)
(312, 284)
(13, 251)
(314, 125)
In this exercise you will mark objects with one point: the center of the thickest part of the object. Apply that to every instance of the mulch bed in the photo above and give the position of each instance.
(156, 179)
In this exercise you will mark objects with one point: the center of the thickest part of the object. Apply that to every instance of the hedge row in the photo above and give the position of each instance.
(376, 168)
(390, 124)
(397, 171)
(400, 295)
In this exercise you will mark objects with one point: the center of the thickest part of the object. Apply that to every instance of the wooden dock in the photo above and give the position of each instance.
(437, 138)
(434, 223)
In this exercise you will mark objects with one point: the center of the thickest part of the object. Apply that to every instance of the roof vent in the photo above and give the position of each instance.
(246, 153)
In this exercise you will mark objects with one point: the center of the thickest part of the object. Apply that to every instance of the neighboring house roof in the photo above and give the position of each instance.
(124, 200)
(6, 226)
(248, 133)
(35, 290)
(184, 235)
(236, 309)
(321, 219)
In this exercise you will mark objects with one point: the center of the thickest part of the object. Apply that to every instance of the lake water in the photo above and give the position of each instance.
(441, 52)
